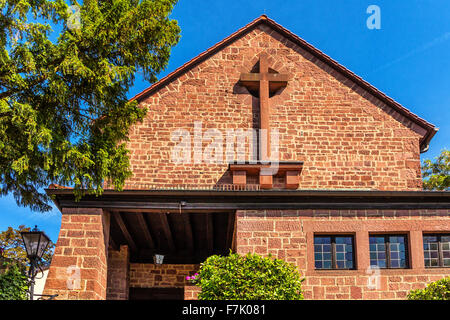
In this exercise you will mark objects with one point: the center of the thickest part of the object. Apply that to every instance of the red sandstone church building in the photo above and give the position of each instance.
(345, 203)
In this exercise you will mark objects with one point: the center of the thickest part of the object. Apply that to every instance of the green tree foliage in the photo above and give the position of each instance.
(64, 76)
(12, 248)
(436, 175)
(249, 277)
(438, 290)
(13, 283)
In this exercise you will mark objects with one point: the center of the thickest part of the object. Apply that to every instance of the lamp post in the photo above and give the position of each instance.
(36, 242)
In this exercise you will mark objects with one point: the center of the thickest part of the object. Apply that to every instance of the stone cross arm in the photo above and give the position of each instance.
(252, 80)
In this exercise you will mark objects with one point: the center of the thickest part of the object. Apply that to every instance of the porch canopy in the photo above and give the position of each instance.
(187, 226)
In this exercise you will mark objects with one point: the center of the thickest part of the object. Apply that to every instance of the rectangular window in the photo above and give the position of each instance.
(436, 250)
(388, 251)
(333, 252)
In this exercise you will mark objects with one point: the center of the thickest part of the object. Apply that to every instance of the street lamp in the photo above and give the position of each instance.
(36, 242)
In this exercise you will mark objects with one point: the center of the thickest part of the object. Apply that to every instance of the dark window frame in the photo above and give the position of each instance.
(440, 253)
(388, 249)
(333, 251)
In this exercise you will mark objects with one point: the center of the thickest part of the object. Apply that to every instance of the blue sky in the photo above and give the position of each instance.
(408, 58)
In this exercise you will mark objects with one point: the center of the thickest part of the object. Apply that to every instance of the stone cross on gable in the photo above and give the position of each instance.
(264, 82)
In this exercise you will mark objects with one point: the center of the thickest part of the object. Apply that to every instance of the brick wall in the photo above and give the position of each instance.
(78, 268)
(146, 275)
(346, 137)
(289, 235)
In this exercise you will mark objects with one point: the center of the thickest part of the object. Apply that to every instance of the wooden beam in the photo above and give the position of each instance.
(145, 229)
(188, 230)
(209, 233)
(167, 232)
(113, 244)
(127, 194)
(125, 231)
(260, 204)
(230, 230)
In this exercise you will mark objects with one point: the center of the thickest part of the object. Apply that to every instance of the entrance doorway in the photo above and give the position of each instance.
(156, 294)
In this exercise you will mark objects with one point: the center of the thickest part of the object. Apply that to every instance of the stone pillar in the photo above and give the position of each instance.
(416, 249)
(78, 269)
(118, 274)
(362, 250)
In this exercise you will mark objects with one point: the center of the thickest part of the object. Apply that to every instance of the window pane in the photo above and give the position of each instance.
(343, 252)
(344, 249)
(398, 250)
(322, 252)
(322, 240)
(433, 247)
(445, 247)
(377, 251)
(395, 263)
(344, 240)
(430, 239)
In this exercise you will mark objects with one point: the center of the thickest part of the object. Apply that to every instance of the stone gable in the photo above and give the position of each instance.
(346, 137)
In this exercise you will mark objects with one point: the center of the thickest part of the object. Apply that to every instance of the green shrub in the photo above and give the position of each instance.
(438, 290)
(249, 277)
(13, 284)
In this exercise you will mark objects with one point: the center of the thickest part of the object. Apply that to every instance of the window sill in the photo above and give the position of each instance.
(387, 272)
